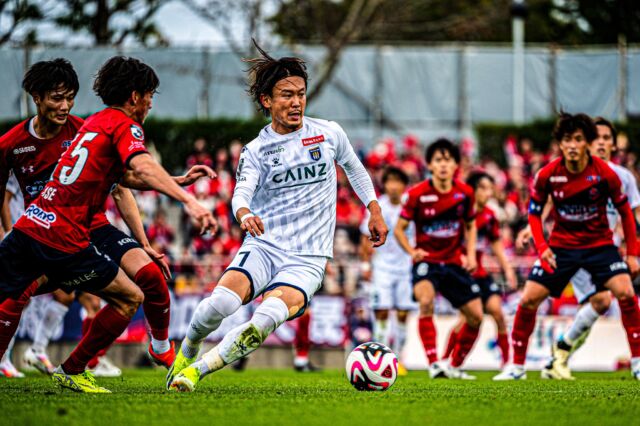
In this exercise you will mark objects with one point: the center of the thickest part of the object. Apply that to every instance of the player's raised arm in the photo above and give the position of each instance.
(247, 179)
(130, 180)
(152, 174)
(128, 208)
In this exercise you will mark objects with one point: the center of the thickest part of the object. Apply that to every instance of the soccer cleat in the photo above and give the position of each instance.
(165, 359)
(558, 368)
(8, 370)
(511, 372)
(186, 380)
(402, 371)
(105, 368)
(181, 362)
(38, 360)
(84, 382)
(456, 373)
(308, 367)
(438, 370)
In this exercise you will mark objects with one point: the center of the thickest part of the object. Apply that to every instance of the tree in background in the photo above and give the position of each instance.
(112, 22)
(15, 13)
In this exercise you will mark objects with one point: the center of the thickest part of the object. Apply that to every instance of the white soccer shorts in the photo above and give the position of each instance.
(269, 267)
(392, 290)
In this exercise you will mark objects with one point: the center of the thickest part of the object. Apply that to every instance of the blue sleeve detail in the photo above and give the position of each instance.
(535, 208)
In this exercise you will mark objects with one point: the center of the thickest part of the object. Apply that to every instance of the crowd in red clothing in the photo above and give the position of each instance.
(198, 260)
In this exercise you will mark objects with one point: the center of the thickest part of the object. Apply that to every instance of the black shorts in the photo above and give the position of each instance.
(452, 281)
(601, 262)
(112, 242)
(488, 287)
(24, 259)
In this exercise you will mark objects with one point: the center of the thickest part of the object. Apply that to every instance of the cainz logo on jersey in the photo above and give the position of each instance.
(39, 216)
(301, 173)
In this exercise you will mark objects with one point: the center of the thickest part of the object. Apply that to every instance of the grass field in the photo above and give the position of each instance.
(276, 397)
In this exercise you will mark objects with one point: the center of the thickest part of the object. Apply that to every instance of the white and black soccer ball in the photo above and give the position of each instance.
(372, 367)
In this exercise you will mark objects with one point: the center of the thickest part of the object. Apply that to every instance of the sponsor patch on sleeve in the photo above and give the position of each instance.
(137, 132)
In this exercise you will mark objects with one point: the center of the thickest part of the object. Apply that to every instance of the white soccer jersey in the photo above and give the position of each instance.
(16, 204)
(289, 181)
(629, 188)
(390, 257)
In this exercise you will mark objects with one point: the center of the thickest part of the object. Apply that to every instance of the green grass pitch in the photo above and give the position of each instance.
(277, 397)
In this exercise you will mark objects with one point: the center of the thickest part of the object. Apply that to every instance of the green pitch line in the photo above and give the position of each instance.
(268, 397)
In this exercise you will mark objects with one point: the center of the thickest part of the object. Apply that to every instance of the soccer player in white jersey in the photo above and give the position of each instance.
(10, 212)
(593, 304)
(389, 268)
(285, 199)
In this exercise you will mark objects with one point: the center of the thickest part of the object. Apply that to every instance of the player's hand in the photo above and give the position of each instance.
(523, 238)
(632, 263)
(253, 225)
(160, 260)
(511, 278)
(548, 260)
(377, 228)
(418, 255)
(202, 217)
(470, 264)
(196, 172)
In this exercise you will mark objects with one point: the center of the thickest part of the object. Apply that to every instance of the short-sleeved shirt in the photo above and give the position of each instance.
(488, 232)
(579, 202)
(85, 175)
(33, 160)
(440, 219)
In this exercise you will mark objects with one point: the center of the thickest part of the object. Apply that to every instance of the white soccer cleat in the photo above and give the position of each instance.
(106, 368)
(511, 372)
(8, 370)
(558, 368)
(38, 360)
(635, 368)
(439, 370)
(456, 373)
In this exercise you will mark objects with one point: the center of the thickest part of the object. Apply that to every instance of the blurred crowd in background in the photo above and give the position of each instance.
(197, 261)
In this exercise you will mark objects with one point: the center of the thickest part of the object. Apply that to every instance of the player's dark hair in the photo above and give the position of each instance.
(45, 76)
(396, 173)
(444, 146)
(120, 76)
(266, 71)
(568, 124)
(601, 121)
(475, 177)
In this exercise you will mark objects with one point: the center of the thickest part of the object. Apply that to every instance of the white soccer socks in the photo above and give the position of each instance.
(207, 318)
(584, 320)
(245, 338)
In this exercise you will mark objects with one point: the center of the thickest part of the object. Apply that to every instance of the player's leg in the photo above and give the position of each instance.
(381, 303)
(493, 307)
(278, 305)
(7, 369)
(586, 317)
(466, 337)
(52, 317)
(453, 337)
(302, 344)
(400, 337)
(100, 364)
(622, 289)
(524, 322)
(11, 312)
(123, 299)
(139, 267)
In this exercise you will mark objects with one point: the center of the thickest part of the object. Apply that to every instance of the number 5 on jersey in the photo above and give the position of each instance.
(68, 174)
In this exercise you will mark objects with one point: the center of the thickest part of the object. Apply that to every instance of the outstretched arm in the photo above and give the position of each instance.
(152, 174)
(131, 180)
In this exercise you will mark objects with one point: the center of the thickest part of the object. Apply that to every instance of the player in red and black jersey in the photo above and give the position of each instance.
(579, 186)
(443, 211)
(488, 239)
(52, 238)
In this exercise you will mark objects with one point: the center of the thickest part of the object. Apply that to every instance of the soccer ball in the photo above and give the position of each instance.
(372, 367)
